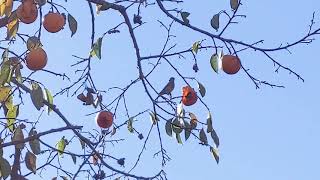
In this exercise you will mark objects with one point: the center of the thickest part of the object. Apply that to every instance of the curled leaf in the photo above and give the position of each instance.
(169, 127)
(209, 123)
(178, 137)
(49, 98)
(187, 130)
(215, 153)
(214, 61)
(177, 126)
(184, 16)
(193, 120)
(96, 49)
(201, 89)
(73, 24)
(153, 118)
(215, 138)
(203, 137)
(195, 47)
(74, 158)
(33, 42)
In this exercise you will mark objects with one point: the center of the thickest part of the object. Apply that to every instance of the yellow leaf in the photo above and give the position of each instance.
(11, 117)
(61, 145)
(13, 25)
(9, 102)
(8, 7)
(5, 91)
(2, 7)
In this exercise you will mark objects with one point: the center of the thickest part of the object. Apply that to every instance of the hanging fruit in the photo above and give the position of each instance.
(189, 96)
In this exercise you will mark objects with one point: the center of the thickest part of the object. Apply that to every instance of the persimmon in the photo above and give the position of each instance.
(36, 59)
(53, 22)
(189, 96)
(104, 119)
(231, 64)
(27, 12)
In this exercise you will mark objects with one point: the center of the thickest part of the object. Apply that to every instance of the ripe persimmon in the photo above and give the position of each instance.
(189, 96)
(231, 64)
(53, 22)
(27, 12)
(104, 119)
(36, 59)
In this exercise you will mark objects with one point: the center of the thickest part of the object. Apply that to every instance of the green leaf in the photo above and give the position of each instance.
(215, 138)
(209, 123)
(169, 127)
(178, 137)
(203, 137)
(5, 91)
(11, 116)
(61, 145)
(35, 143)
(187, 130)
(96, 49)
(31, 161)
(73, 24)
(18, 136)
(5, 168)
(5, 68)
(215, 22)
(184, 16)
(130, 127)
(215, 154)
(201, 89)
(234, 4)
(214, 61)
(49, 98)
(195, 47)
(36, 96)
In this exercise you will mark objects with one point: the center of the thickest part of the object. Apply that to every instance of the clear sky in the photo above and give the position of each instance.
(269, 133)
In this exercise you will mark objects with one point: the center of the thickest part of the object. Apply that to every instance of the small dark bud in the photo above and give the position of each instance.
(195, 67)
(140, 136)
(137, 19)
(121, 161)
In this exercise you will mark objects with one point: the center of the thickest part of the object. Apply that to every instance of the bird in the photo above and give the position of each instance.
(168, 88)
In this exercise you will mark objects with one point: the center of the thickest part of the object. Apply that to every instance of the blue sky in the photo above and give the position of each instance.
(268, 133)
